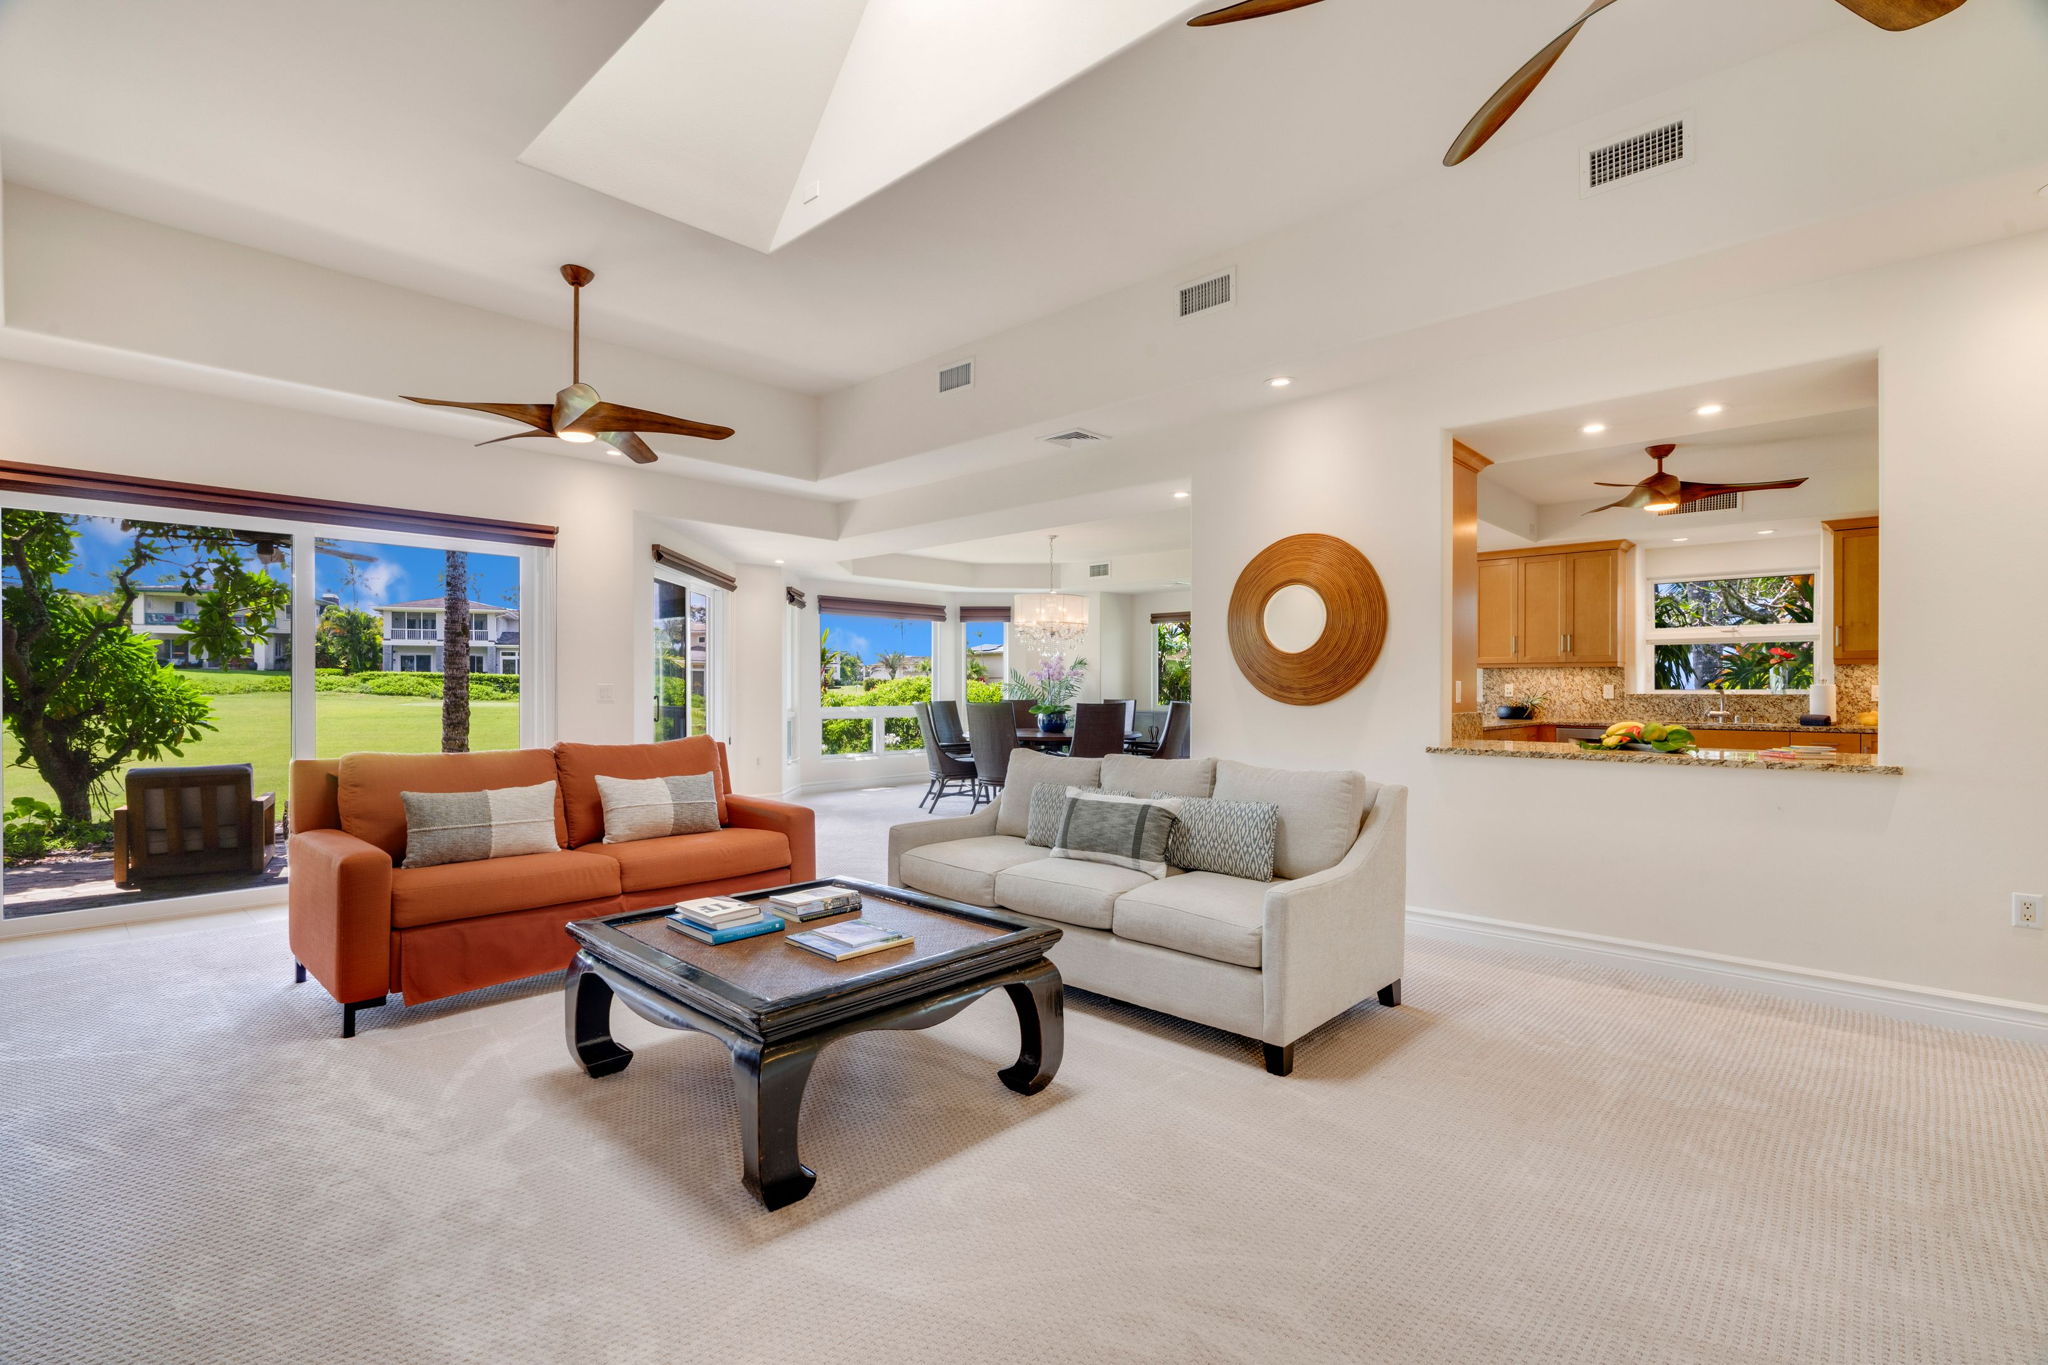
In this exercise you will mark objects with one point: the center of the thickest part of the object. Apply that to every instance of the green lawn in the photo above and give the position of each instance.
(255, 727)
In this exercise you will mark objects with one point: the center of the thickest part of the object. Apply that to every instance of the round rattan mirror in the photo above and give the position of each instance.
(1341, 587)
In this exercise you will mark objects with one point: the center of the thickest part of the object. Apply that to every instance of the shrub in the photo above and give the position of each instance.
(35, 828)
(220, 684)
(482, 686)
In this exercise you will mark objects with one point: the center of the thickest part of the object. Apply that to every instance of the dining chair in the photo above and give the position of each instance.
(946, 721)
(992, 733)
(1098, 729)
(1176, 738)
(1020, 710)
(1130, 706)
(952, 774)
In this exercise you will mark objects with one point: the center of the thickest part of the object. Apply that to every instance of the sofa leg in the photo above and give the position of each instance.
(1390, 994)
(348, 1014)
(299, 973)
(1279, 1060)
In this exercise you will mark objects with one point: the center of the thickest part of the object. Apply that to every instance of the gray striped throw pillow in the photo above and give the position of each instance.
(655, 807)
(468, 827)
(1123, 831)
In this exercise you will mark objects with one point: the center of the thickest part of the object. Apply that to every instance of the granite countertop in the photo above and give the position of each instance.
(1494, 723)
(1698, 758)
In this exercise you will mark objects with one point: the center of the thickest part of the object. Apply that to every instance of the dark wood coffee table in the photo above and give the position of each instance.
(776, 1006)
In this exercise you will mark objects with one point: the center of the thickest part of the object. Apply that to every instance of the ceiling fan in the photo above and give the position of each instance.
(1893, 15)
(1662, 493)
(578, 414)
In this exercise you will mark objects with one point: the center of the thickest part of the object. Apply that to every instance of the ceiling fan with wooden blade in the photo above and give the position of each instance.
(1895, 16)
(1665, 493)
(578, 414)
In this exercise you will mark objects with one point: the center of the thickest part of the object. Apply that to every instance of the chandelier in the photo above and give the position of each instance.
(1051, 618)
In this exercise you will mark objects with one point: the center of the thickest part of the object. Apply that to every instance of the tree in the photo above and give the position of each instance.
(833, 664)
(84, 694)
(455, 655)
(350, 640)
(218, 635)
(1176, 671)
(892, 663)
(977, 669)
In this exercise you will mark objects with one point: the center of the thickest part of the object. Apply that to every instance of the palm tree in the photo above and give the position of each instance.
(455, 655)
(833, 664)
(893, 662)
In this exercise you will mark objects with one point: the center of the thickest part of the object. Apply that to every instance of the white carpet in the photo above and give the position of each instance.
(1531, 1162)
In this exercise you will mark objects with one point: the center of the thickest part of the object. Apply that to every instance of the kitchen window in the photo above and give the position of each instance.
(1742, 633)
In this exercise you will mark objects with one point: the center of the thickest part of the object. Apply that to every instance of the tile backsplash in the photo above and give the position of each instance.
(1575, 694)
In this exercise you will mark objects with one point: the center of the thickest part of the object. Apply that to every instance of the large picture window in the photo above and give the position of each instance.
(1747, 633)
(874, 664)
(222, 631)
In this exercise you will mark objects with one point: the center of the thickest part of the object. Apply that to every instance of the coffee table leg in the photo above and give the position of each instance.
(770, 1085)
(1041, 1020)
(587, 1017)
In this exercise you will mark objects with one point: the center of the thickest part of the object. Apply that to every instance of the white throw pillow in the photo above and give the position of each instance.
(638, 808)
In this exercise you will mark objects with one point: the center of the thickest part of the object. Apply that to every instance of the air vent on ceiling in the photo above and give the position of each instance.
(1205, 296)
(1098, 570)
(1654, 149)
(958, 376)
(1719, 502)
(1076, 436)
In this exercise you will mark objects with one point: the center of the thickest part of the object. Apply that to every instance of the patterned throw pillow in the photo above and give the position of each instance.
(1048, 808)
(1123, 831)
(468, 827)
(638, 808)
(1234, 838)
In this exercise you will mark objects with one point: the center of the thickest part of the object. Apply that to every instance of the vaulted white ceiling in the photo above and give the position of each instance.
(383, 139)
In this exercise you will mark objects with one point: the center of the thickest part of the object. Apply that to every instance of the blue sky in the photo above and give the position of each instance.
(393, 573)
(870, 637)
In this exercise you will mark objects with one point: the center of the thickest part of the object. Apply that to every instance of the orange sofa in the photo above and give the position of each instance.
(365, 927)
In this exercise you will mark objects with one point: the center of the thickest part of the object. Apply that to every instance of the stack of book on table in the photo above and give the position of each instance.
(722, 919)
(816, 902)
(854, 938)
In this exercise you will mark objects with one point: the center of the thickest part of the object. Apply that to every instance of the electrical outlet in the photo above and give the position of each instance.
(1607, 691)
(2026, 909)
(607, 693)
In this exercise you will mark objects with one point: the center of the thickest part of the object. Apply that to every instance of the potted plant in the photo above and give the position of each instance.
(1521, 710)
(1051, 689)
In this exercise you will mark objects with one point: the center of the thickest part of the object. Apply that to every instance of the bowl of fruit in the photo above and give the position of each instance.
(1642, 738)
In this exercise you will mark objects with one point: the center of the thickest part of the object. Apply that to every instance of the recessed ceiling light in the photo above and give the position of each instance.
(1181, 494)
(1278, 381)
(778, 561)
(1767, 533)
(1709, 410)
(1593, 428)
(1679, 540)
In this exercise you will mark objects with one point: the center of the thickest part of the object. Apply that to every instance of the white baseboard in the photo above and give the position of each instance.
(856, 783)
(2013, 1019)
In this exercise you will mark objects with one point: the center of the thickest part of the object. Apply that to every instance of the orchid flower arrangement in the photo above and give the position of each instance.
(1052, 687)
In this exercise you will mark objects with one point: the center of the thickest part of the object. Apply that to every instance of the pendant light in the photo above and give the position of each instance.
(1050, 619)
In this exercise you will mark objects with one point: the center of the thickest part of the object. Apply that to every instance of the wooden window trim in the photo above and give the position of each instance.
(1161, 618)
(985, 614)
(794, 596)
(682, 563)
(55, 481)
(870, 606)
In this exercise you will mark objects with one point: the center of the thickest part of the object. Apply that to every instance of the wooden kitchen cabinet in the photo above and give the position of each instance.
(1553, 606)
(1854, 543)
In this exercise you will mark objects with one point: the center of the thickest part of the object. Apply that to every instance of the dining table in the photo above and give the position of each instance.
(1031, 737)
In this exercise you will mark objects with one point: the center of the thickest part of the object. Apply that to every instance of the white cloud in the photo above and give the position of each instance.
(379, 582)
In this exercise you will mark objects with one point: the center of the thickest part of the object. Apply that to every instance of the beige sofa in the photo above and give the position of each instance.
(1269, 960)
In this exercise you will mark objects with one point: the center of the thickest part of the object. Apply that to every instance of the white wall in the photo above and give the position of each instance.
(607, 513)
(1902, 879)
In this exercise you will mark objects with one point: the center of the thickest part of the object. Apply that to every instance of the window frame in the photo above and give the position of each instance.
(949, 629)
(537, 702)
(717, 673)
(1649, 634)
(1157, 684)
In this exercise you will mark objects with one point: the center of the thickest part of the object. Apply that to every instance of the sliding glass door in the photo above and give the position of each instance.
(163, 668)
(688, 648)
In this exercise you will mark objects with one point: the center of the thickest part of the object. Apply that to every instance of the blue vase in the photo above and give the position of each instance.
(1052, 723)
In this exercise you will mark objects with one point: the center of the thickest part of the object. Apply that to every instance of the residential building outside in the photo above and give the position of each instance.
(412, 637)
